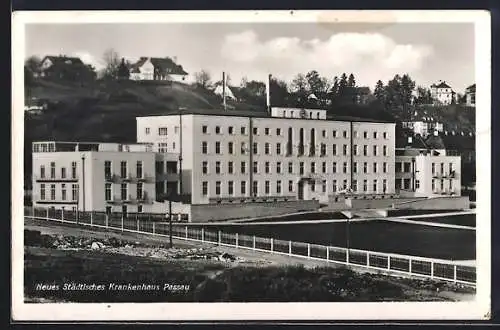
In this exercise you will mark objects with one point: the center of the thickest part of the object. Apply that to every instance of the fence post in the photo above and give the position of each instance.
(388, 262)
(272, 245)
(218, 237)
(409, 265)
(47, 214)
(154, 232)
(308, 250)
(202, 234)
(432, 269)
(236, 239)
(91, 218)
(368, 258)
(455, 273)
(122, 221)
(62, 215)
(254, 242)
(107, 220)
(289, 247)
(327, 253)
(186, 231)
(347, 256)
(137, 224)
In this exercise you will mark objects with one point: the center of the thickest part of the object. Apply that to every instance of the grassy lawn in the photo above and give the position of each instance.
(377, 235)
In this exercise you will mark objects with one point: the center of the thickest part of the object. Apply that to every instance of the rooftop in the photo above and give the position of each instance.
(65, 146)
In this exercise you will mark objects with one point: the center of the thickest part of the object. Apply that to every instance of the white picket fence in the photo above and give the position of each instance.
(391, 263)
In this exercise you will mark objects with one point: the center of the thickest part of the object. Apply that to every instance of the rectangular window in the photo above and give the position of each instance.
(162, 131)
(63, 192)
(442, 168)
(344, 149)
(255, 131)
(375, 168)
(334, 133)
(313, 167)
(365, 150)
(334, 185)
(217, 167)
(107, 191)
(407, 167)
(123, 169)
(243, 148)
(417, 184)
(74, 192)
(217, 148)
(355, 134)
(204, 147)
(355, 150)
(433, 168)
(42, 171)
(255, 167)
(266, 167)
(73, 170)
(278, 148)
(375, 150)
(204, 167)
(217, 188)
(323, 133)
(355, 167)
(375, 135)
(278, 167)
(290, 185)
(398, 167)
(278, 187)
(243, 167)
(334, 150)
(290, 167)
(278, 131)
(162, 147)
(266, 131)
(204, 188)
(124, 191)
(385, 135)
(365, 135)
(176, 130)
(52, 191)
(344, 167)
(301, 167)
(63, 172)
(384, 186)
(243, 130)
(433, 185)
(140, 190)
(230, 148)
(230, 188)
(334, 167)
(323, 149)
(138, 169)
(107, 169)
(230, 130)
(217, 129)
(243, 187)
(204, 129)
(442, 184)
(52, 170)
(230, 168)
(450, 168)
(323, 167)
(266, 148)
(139, 208)
(148, 130)
(42, 192)
(354, 185)
(313, 186)
(384, 151)
(323, 185)
(365, 185)
(255, 148)
(384, 167)
(344, 184)
(375, 188)
(365, 167)
(255, 187)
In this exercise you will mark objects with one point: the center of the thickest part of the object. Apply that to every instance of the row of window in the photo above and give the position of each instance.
(161, 130)
(335, 187)
(63, 174)
(124, 191)
(123, 169)
(301, 149)
(52, 192)
(441, 167)
(267, 131)
(365, 167)
(441, 184)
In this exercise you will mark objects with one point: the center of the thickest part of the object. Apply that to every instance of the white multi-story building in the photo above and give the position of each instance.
(95, 176)
(426, 173)
(291, 154)
(442, 93)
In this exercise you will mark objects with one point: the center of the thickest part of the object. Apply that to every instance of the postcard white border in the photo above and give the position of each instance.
(478, 309)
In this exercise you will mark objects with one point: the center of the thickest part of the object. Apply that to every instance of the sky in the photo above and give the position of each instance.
(428, 52)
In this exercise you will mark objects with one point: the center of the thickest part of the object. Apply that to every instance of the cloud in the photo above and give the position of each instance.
(370, 56)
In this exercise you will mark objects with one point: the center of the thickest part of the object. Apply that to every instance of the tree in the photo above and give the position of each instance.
(342, 85)
(423, 96)
(123, 70)
(299, 84)
(351, 82)
(202, 78)
(255, 88)
(32, 63)
(316, 84)
(335, 87)
(379, 91)
(279, 92)
(243, 82)
(112, 61)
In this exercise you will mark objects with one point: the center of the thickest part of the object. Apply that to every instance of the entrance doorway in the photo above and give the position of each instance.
(300, 190)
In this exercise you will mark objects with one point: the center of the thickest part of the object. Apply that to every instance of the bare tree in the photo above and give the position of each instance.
(202, 78)
(112, 60)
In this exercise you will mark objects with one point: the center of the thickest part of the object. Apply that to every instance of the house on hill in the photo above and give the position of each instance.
(442, 94)
(153, 68)
(65, 67)
(470, 95)
(219, 91)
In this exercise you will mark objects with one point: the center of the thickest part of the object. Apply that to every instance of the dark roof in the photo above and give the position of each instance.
(261, 114)
(164, 65)
(417, 140)
(435, 142)
(62, 59)
(459, 142)
(441, 85)
(471, 89)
